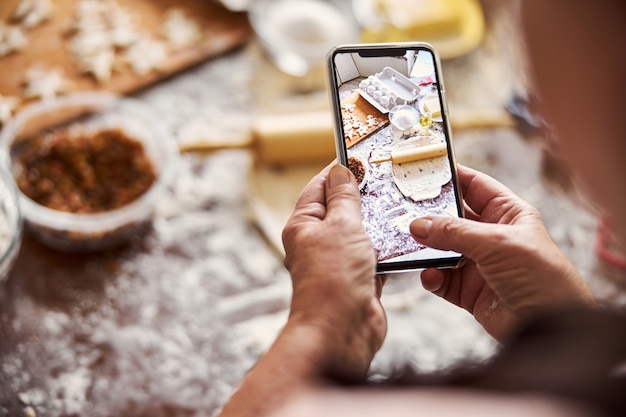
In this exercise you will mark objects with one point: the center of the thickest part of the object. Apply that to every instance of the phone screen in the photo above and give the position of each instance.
(392, 131)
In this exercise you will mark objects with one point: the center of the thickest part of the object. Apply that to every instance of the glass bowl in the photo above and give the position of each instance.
(91, 112)
(404, 117)
(10, 223)
(297, 35)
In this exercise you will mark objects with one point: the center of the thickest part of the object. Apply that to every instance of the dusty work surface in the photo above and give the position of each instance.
(169, 325)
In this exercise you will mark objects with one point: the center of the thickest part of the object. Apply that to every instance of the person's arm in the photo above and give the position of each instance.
(336, 323)
(293, 364)
(514, 269)
(437, 402)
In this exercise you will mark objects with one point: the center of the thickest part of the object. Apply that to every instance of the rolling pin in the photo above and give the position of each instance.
(413, 154)
(297, 137)
(294, 138)
(282, 138)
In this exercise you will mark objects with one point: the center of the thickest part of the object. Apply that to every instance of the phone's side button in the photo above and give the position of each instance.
(445, 103)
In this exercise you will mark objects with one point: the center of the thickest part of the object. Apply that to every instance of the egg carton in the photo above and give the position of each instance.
(388, 89)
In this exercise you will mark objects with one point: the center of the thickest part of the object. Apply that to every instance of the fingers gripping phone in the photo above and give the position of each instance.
(392, 131)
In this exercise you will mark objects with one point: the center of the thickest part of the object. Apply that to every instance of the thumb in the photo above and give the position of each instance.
(342, 194)
(456, 234)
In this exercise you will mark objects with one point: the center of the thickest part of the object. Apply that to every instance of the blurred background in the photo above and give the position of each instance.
(167, 321)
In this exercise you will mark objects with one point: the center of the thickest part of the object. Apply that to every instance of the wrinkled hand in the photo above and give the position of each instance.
(513, 268)
(332, 265)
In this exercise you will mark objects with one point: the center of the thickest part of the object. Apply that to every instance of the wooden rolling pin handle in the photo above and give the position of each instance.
(417, 153)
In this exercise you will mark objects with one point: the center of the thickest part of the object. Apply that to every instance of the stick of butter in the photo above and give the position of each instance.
(432, 106)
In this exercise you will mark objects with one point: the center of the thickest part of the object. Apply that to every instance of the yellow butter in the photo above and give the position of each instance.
(433, 107)
(423, 19)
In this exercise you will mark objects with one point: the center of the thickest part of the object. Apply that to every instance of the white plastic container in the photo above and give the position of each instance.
(10, 223)
(92, 232)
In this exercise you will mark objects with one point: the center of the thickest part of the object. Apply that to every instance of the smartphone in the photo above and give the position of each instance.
(392, 131)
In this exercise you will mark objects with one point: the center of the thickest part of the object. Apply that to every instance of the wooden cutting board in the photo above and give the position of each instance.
(47, 46)
(362, 109)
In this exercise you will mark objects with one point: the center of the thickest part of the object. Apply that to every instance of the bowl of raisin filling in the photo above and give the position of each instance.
(359, 170)
(89, 168)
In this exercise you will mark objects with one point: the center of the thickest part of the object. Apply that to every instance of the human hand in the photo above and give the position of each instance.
(332, 265)
(513, 267)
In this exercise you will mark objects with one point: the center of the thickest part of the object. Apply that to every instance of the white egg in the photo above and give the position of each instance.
(371, 89)
(377, 94)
